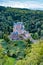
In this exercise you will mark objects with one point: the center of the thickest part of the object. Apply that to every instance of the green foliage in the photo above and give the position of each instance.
(14, 49)
(35, 36)
(5, 36)
(4, 59)
(24, 54)
(33, 20)
(34, 56)
(23, 51)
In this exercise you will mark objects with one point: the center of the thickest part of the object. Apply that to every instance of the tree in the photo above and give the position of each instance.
(6, 38)
(35, 36)
(34, 57)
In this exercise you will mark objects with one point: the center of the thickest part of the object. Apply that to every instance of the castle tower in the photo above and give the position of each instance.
(18, 27)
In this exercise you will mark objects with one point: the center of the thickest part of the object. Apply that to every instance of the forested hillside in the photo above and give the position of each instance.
(21, 52)
(32, 19)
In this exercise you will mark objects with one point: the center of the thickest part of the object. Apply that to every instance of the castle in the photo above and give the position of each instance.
(19, 33)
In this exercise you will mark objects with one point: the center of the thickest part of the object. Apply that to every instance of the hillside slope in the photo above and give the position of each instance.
(32, 19)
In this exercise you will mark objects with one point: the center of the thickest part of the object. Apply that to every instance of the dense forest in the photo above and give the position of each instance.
(21, 52)
(32, 19)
